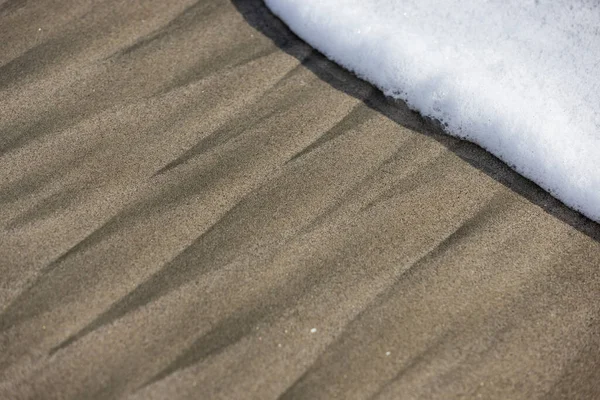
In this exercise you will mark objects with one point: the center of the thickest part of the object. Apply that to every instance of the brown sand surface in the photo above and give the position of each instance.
(195, 204)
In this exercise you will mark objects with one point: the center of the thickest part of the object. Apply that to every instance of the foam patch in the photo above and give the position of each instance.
(519, 78)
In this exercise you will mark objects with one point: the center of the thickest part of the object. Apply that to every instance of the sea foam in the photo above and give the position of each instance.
(519, 78)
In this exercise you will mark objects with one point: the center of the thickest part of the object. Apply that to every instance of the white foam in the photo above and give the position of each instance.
(520, 78)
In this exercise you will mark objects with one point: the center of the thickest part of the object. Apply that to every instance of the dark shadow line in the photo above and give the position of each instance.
(257, 15)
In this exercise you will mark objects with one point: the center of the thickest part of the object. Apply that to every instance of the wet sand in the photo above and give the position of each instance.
(196, 204)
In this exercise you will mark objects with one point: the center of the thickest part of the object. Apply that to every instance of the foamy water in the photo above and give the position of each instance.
(519, 78)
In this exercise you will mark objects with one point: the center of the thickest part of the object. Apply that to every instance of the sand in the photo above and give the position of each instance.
(196, 204)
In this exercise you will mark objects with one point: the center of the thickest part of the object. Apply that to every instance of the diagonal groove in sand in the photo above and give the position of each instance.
(232, 129)
(229, 60)
(470, 227)
(191, 16)
(272, 305)
(430, 169)
(200, 257)
(259, 111)
(356, 117)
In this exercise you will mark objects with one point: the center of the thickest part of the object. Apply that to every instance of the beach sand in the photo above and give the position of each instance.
(196, 204)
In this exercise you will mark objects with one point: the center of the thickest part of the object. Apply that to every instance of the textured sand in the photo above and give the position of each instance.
(188, 192)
